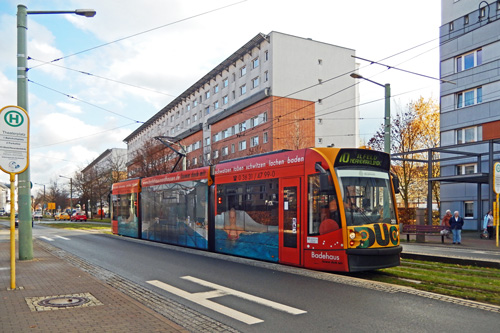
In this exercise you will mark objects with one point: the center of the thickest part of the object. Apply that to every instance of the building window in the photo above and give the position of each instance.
(243, 71)
(468, 209)
(264, 117)
(195, 117)
(254, 141)
(195, 103)
(207, 157)
(469, 60)
(451, 26)
(189, 107)
(188, 121)
(469, 134)
(225, 100)
(320, 140)
(216, 89)
(207, 141)
(255, 82)
(470, 97)
(266, 76)
(242, 126)
(216, 154)
(482, 12)
(254, 121)
(243, 89)
(225, 82)
(195, 161)
(216, 105)
(264, 137)
(466, 19)
(266, 55)
(255, 63)
(466, 169)
(232, 148)
(242, 145)
(207, 94)
(225, 151)
(207, 110)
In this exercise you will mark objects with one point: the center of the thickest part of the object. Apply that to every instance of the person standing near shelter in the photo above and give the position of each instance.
(488, 224)
(446, 223)
(456, 224)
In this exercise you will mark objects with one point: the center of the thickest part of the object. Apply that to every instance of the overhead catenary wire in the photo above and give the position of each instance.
(144, 32)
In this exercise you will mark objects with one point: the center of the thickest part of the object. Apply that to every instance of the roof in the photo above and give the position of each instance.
(255, 41)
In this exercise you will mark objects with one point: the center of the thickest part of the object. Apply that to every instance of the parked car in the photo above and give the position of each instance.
(62, 216)
(17, 221)
(38, 215)
(79, 217)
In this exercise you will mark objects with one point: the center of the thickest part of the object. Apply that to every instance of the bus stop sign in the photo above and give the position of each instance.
(496, 177)
(14, 139)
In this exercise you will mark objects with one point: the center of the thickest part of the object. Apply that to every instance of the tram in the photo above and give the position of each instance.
(329, 209)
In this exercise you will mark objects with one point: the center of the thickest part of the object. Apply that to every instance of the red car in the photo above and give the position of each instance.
(79, 217)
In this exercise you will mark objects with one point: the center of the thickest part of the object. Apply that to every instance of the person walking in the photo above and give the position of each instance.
(488, 223)
(456, 224)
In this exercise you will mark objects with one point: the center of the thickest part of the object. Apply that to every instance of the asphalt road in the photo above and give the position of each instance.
(254, 297)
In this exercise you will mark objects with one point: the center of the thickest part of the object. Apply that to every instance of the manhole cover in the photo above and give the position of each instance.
(61, 302)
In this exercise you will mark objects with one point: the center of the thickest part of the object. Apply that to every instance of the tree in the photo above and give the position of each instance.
(153, 159)
(412, 130)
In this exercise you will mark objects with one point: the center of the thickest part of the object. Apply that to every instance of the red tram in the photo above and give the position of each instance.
(321, 208)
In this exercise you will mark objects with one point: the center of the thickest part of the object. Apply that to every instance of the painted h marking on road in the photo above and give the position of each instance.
(202, 298)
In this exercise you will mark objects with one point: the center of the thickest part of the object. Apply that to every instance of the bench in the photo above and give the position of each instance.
(413, 229)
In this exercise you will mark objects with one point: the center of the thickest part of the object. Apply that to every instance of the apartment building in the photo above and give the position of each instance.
(275, 92)
(470, 105)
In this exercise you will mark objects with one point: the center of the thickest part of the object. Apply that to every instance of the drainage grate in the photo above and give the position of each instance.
(60, 302)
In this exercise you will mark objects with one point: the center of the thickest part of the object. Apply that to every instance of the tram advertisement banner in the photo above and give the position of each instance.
(176, 177)
(129, 186)
(261, 167)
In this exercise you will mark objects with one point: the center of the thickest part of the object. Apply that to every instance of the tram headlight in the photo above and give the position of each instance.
(352, 235)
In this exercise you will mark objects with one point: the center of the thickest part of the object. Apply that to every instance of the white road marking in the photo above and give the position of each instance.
(47, 238)
(201, 298)
(61, 237)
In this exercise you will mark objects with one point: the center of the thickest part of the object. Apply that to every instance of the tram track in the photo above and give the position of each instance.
(460, 280)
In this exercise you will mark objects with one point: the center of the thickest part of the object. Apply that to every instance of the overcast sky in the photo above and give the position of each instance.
(75, 116)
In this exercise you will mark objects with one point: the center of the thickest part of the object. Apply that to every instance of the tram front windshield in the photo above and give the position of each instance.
(367, 196)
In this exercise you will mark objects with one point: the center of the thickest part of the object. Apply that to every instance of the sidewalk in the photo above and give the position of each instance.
(470, 239)
(54, 282)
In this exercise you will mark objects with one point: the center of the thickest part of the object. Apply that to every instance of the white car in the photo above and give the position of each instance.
(37, 215)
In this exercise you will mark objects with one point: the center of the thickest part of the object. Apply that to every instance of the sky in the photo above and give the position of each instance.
(122, 66)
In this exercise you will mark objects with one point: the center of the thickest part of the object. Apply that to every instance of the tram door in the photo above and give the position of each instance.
(290, 221)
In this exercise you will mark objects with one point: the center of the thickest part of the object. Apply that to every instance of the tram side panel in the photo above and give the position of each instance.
(175, 208)
(247, 218)
(125, 213)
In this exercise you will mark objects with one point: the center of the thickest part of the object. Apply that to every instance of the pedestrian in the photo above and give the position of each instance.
(488, 224)
(446, 223)
(456, 224)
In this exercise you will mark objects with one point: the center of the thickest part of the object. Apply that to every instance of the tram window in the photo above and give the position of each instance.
(323, 212)
(255, 203)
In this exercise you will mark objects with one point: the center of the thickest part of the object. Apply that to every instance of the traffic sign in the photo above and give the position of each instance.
(496, 177)
(14, 139)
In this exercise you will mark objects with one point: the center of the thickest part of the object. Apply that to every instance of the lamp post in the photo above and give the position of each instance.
(387, 115)
(44, 200)
(23, 181)
(70, 192)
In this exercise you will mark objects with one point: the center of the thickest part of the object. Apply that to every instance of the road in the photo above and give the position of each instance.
(254, 297)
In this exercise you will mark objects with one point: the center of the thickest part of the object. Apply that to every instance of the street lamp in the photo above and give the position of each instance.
(387, 115)
(44, 201)
(23, 180)
(70, 192)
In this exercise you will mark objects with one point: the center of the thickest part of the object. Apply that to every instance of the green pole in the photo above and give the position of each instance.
(23, 180)
(387, 119)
